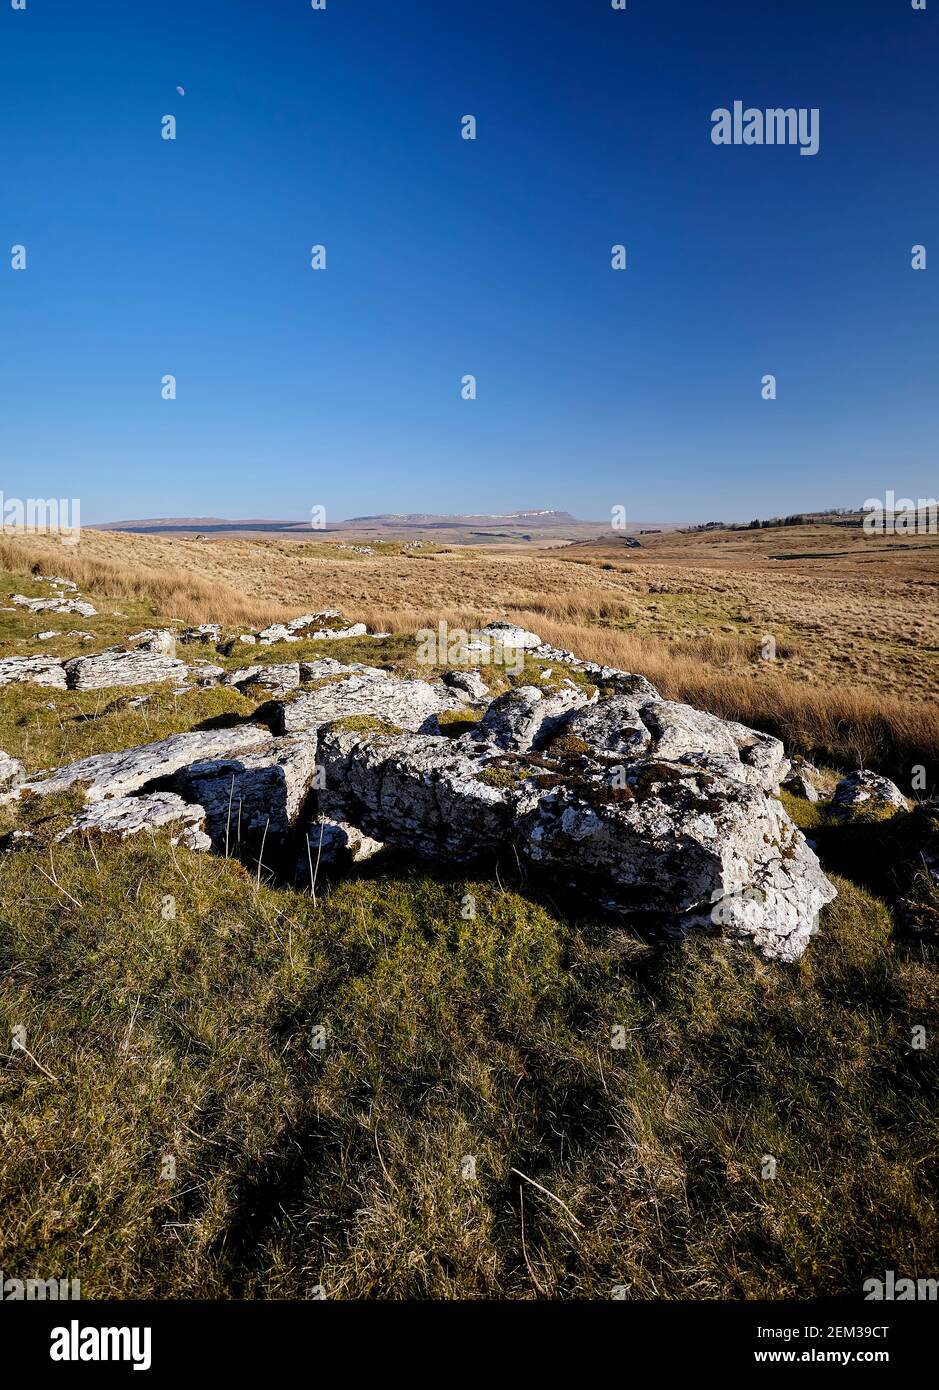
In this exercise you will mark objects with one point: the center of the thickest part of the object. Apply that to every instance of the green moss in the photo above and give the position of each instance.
(505, 778)
(454, 722)
(568, 746)
(363, 724)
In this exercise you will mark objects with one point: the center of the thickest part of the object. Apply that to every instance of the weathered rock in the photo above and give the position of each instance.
(161, 641)
(120, 774)
(417, 792)
(32, 670)
(326, 667)
(277, 632)
(689, 848)
(332, 843)
(252, 794)
(762, 753)
(130, 815)
(55, 605)
(865, 795)
(645, 805)
(469, 683)
(678, 729)
(278, 678)
(205, 632)
(621, 682)
(331, 634)
(527, 717)
(122, 668)
(679, 733)
(684, 847)
(205, 673)
(611, 726)
(799, 780)
(311, 619)
(403, 704)
(510, 635)
(12, 772)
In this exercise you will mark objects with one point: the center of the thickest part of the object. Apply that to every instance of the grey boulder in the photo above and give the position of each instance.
(864, 794)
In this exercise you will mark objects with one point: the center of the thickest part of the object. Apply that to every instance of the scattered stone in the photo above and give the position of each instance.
(55, 605)
(278, 679)
(12, 772)
(59, 581)
(510, 635)
(277, 632)
(205, 673)
(468, 683)
(335, 842)
(330, 634)
(799, 779)
(643, 805)
(129, 815)
(45, 636)
(205, 632)
(311, 619)
(161, 641)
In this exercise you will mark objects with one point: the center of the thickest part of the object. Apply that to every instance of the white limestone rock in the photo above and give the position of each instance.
(403, 704)
(863, 794)
(527, 717)
(32, 670)
(114, 668)
(123, 773)
(131, 815)
(12, 772)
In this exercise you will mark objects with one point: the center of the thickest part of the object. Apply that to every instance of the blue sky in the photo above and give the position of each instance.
(444, 257)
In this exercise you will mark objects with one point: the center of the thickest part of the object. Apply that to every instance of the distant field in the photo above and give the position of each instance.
(855, 620)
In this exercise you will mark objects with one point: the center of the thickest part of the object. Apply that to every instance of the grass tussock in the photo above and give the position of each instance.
(175, 593)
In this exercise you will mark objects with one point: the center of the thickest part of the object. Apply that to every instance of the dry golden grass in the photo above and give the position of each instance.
(857, 663)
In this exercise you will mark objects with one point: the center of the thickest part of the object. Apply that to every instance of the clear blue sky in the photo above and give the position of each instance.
(447, 257)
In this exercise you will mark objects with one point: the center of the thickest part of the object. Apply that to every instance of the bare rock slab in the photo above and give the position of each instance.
(33, 670)
(122, 668)
(404, 704)
(121, 774)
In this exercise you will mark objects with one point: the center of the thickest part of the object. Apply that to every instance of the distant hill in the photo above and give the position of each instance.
(395, 520)
(544, 517)
(536, 527)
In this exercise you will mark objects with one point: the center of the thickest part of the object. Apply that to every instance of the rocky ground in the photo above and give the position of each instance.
(473, 869)
(648, 806)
